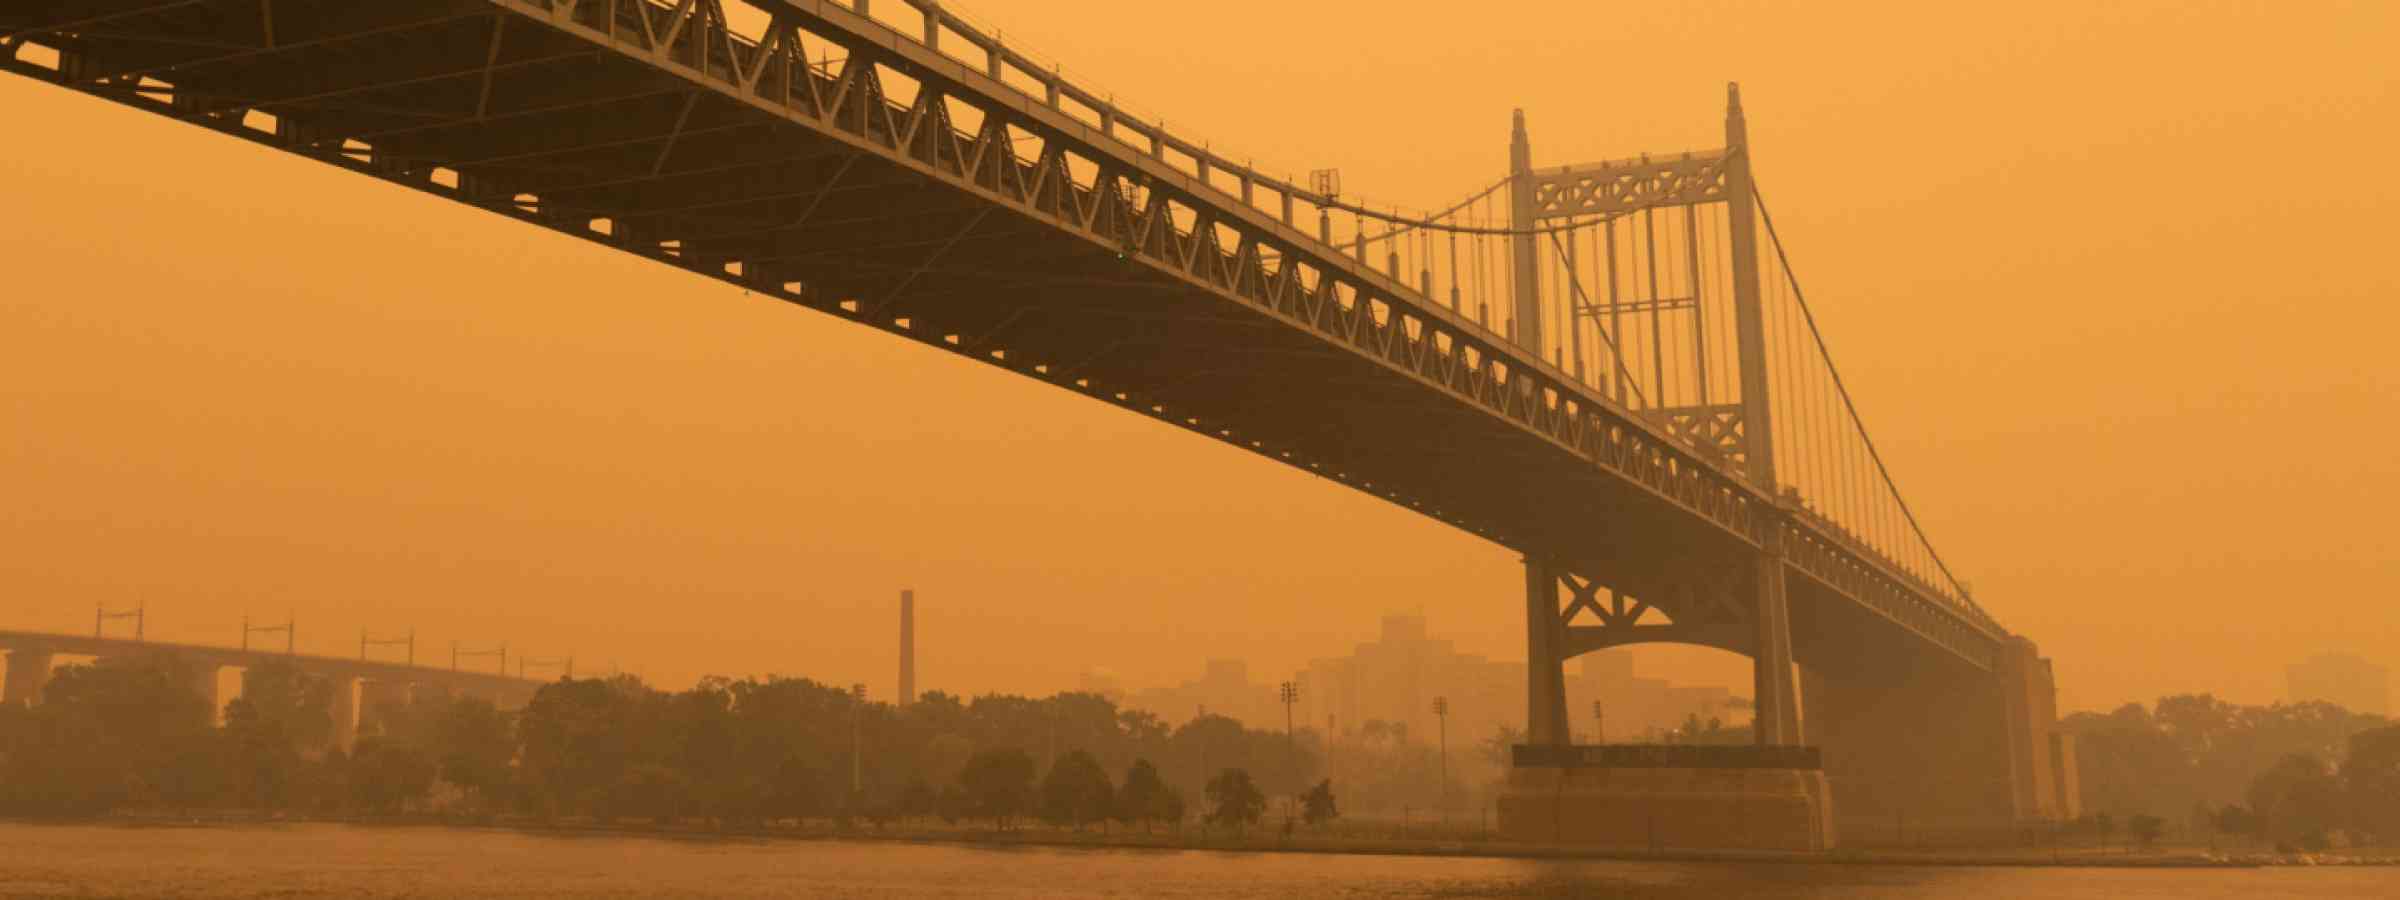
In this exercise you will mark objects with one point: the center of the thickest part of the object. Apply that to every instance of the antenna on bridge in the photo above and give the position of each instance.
(288, 631)
(410, 641)
(501, 651)
(102, 614)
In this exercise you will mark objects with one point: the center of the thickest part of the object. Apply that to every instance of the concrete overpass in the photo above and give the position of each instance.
(364, 690)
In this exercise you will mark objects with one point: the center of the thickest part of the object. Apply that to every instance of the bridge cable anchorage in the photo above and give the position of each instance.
(1857, 422)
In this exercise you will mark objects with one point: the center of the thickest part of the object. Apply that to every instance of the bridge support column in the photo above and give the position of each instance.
(28, 673)
(345, 713)
(1545, 658)
(380, 702)
(1772, 681)
(2035, 761)
(204, 685)
(1917, 752)
(1525, 322)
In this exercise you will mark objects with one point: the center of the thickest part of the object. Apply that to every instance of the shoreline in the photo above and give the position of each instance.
(1046, 838)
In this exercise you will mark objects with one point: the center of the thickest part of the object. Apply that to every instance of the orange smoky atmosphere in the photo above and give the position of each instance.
(2112, 284)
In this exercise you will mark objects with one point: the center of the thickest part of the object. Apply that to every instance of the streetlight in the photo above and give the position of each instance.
(1441, 716)
(858, 709)
(1291, 694)
(1599, 731)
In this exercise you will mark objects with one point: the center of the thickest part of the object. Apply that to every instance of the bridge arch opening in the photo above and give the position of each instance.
(1659, 693)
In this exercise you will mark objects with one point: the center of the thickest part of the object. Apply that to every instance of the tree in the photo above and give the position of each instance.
(2371, 778)
(1234, 800)
(2239, 821)
(576, 738)
(2299, 800)
(999, 784)
(473, 744)
(298, 704)
(951, 804)
(385, 775)
(265, 764)
(1076, 791)
(2146, 828)
(1173, 809)
(917, 800)
(1142, 797)
(1317, 806)
(794, 791)
(648, 791)
(1499, 748)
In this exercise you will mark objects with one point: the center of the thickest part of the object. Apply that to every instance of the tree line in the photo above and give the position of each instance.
(128, 733)
(2292, 775)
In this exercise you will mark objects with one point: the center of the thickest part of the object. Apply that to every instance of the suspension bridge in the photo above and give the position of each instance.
(1609, 366)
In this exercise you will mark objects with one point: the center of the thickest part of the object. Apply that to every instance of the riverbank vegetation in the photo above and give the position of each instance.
(128, 734)
(2305, 776)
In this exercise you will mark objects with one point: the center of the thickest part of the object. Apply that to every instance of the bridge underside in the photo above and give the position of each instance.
(492, 104)
(1919, 745)
(837, 166)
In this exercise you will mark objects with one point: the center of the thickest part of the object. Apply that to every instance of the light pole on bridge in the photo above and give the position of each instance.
(101, 615)
(501, 652)
(366, 640)
(287, 629)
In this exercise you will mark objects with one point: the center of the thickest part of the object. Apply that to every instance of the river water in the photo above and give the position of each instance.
(342, 861)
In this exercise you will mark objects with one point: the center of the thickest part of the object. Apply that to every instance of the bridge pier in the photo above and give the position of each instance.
(204, 685)
(1545, 658)
(345, 713)
(380, 702)
(28, 673)
(1772, 795)
(1927, 753)
(1774, 685)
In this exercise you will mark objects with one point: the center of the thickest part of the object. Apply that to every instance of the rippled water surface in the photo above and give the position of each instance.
(343, 861)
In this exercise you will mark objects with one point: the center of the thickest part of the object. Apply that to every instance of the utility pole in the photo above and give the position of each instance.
(1291, 695)
(858, 710)
(1441, 718)
(101, 615)
(366, 640)
(286, 628)
(1599, 725)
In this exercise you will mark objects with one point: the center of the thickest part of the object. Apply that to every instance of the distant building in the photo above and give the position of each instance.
(1395, 678)
(2342, 680)
(1638, 710)
(1224, 689)
(1104, 683)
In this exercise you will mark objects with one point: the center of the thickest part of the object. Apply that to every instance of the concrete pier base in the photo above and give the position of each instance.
(28, 673)
(204, 686)
(1668, 807)
(345, 713)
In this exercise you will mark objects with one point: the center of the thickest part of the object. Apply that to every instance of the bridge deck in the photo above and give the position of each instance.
(207, 654)
(913, 193)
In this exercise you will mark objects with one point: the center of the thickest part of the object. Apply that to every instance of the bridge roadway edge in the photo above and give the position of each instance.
(1924, 619)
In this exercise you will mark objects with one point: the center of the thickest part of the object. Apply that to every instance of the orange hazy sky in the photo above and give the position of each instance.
(2114, 284)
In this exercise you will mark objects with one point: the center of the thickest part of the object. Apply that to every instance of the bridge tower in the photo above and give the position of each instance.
(1772, 795)
(1775, 687)
(1775, 683)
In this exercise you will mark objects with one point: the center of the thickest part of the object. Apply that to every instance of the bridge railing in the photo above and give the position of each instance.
(1630, 265)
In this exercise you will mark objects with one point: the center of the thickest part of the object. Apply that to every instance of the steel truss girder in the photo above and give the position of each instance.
(1132, 207)
(1626, 186)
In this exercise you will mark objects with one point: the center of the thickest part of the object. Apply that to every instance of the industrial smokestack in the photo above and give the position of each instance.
(908, 647)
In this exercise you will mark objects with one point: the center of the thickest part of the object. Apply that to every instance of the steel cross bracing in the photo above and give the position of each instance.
(843, 165)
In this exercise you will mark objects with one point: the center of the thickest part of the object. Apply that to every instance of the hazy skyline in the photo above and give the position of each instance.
(2109, 321)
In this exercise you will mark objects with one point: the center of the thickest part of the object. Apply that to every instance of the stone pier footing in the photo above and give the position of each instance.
(1668, 798)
